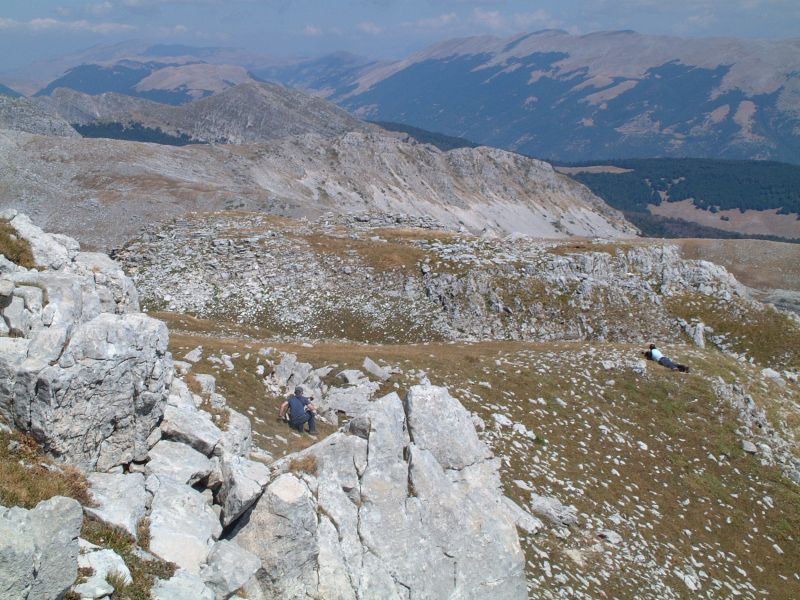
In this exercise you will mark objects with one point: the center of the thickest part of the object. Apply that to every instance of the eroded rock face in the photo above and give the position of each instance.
(80, 368)
(386, 516)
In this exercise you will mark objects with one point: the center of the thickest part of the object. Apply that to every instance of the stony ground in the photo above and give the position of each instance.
(668, 503)
(650, 457)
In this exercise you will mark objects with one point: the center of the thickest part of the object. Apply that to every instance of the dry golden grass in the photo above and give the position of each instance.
(382, 256)
(24, 481)
(143, 572)
(771, 337)
(14, 248)
(304, 464)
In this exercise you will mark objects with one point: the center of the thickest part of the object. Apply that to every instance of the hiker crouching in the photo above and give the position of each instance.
(300, 411)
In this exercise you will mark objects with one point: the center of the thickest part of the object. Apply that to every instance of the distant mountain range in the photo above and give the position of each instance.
(7, 91)
(603, 95)
(548, 94)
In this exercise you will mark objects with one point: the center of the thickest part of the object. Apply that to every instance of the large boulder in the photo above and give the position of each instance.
(39, 549)
(88, 376)
(379, 514)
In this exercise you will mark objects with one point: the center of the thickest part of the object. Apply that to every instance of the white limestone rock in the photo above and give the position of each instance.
(373, 368)
(178, 462)
(190, 426)
(382, 517)
(121, 501)
(39, 549)
(243, 481)
(228, 568)
(181, 586)
(182, 524)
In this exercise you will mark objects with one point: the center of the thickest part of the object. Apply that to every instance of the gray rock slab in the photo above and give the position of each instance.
(238, 436)
(121, 501)
(553, 510)
(178, 461)
(373, 368)
(181, 586)
(182, 524)
(39, 549)
(439, 423)
(105, 562)
(190, 426)
(243, 481)
(228, 568)
(208, 383)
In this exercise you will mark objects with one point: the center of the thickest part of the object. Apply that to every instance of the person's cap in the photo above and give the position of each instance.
(652, 346)
(298, 391)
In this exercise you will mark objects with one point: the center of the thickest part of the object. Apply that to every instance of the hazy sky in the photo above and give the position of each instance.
(35, 29)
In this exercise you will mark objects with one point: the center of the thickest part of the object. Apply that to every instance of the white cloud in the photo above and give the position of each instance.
(491, 19)
(370, 28)
(437, 22)
(100, 9)
(49, 24)
(312, 30)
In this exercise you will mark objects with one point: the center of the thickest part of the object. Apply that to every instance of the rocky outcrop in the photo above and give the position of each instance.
(758, 436)
(446, 285)
(39, 549)
(411, 509)
(83, 370)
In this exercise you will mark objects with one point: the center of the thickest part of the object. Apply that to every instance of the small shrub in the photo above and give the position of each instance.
(143, 533)
(304, 464)
(14, 248)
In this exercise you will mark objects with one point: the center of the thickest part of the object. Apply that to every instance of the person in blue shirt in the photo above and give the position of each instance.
(300, 411)
(655, 354)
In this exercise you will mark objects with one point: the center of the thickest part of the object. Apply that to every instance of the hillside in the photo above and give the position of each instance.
(542, 341)
(23, 114)
(63, 183)
(600, 95)
(747, 197)
(7, 91)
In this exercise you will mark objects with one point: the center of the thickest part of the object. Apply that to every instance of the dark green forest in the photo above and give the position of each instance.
(440, 140)
(133, 132)
(713, 184)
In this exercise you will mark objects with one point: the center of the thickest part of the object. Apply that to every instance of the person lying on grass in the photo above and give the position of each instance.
(655, 354)
(300, 411)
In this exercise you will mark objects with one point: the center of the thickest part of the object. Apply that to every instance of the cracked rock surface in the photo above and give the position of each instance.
(386, 516)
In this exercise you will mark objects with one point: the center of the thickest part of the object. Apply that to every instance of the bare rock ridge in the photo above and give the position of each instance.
(297, 176)
(245, 114)
(405, 475)
(409, 507)
(21, 114)
(448, 286)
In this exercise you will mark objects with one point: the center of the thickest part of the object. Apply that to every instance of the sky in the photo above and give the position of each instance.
(32, 30)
